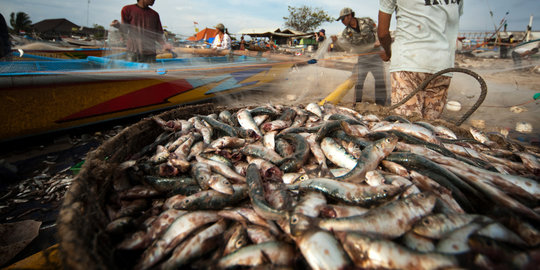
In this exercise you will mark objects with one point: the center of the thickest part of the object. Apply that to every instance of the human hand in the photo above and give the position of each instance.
(384, 56)
(167, 46)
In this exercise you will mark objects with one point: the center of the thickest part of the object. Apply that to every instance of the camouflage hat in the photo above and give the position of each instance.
(220, 26)
(344, 12)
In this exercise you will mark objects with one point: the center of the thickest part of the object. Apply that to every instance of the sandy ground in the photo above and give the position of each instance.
(509, 99)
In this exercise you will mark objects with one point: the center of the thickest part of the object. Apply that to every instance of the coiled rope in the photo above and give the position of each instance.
(483, 88)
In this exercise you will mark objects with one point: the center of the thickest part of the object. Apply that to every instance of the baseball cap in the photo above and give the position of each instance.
(322, 30)
(344, 12)
(220, 26)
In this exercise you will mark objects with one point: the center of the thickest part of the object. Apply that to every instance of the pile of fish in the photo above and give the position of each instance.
(42, 188)
(323, 187)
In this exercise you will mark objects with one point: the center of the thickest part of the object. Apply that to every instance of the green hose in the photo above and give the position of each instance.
(483, 88)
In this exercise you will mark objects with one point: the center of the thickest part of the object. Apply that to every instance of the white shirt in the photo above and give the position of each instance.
(222, 45)
(426, 34)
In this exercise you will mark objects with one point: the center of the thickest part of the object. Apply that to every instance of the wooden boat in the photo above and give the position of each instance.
(59, 54)
(528, 45)
(44, 96)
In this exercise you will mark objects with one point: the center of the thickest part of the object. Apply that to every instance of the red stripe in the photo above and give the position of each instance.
(152, 95)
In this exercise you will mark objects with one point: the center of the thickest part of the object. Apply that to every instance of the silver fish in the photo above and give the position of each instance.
(236, 237)
(375, 253)
(277, 253)
(350, 193)
(390, 221)
(438, 225)
(195, 246)
(246, 121)
(178, 230)
(456, 241)
(411, 129)
(322, 251)
(337, 154)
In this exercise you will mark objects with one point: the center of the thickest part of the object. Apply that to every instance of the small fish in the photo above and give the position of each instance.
(246, 121)
(374, 253)
(259, 234)
(309, 205)
(337, 154)
(256, 194)
(339, 211)
(315, 109)
(456, 241)
(390, 220)
(177, 231)
(195, 246)
(417, 242)
(222, 169)
(277, 253)
(350, 193)
(212, 199)
(370, 159)
(236, 238)
(438, 225)
(481, 137)
(322, 250)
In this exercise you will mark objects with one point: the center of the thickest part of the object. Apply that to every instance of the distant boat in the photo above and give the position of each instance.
(58, 54)
(528, 45)
(82, 42)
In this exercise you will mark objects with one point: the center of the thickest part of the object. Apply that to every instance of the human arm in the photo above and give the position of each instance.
(383, 33)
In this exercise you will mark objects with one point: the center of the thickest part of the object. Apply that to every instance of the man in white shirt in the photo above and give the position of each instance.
(424, 43)
(222, 41)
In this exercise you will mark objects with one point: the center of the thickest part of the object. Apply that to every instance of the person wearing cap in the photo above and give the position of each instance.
(222, 41)
(360, 37)
(423, 43)
(142, 27)
(320, 35)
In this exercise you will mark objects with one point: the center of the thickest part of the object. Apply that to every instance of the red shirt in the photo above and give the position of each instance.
(144, 28)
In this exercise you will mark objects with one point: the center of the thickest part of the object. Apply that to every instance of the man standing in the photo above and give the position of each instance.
(359, 37)
(222, 41)
(320, 36)
(424, 43)
(5, 44)
(142, 27)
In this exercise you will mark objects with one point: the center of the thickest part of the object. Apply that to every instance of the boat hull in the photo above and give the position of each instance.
(39, 103)
(76, 53)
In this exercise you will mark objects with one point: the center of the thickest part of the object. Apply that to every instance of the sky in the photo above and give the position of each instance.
(179, 16)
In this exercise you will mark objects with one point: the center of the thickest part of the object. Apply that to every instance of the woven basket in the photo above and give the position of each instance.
(82, 219)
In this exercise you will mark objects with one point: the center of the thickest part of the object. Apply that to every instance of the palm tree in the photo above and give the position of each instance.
(19, 22)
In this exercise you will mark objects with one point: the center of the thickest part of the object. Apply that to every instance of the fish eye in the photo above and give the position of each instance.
(294, 220)
(239, 243)
(427, 221)
(187, 200)
(226, 182)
